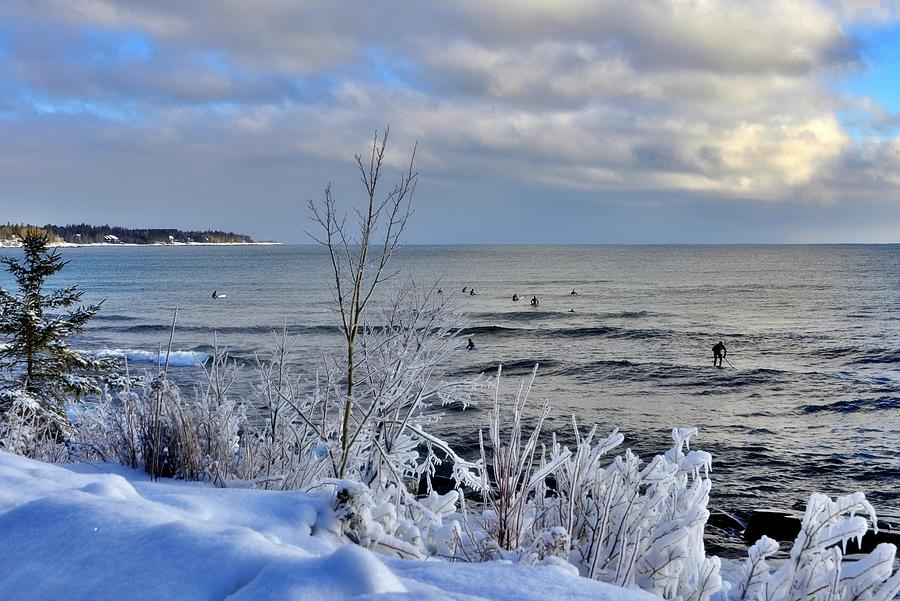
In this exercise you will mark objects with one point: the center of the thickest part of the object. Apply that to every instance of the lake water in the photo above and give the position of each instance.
(813, 332)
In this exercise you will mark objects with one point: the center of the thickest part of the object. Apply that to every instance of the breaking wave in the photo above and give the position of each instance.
(176, 358)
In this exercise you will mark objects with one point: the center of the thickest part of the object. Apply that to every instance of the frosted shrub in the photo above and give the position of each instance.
(623, 522)
(396, 400)
(815, 569)
(511, 474)
(151, 426)
(400, 389)
(640, 524)
(394, 522)
(284, 449)
(28, 428)
(218, 419)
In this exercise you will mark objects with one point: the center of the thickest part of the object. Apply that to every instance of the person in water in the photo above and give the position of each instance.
(471, 345)
(515, 297)
(440, 291)
(472, 292)
(534, 301)
(719, 353)
(464, 289)
(215, 294)
(573, 293)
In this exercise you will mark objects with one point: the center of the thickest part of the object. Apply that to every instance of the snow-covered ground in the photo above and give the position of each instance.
(97, 532)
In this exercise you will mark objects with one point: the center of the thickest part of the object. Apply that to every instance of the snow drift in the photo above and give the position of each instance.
(99, 532)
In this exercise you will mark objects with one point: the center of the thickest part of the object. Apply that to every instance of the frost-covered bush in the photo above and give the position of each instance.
(150, 425)
(280, 450)
(393, 521)
(633, 523)
(511, 473)
(28, 428)
(396, 401)
(816, 569)
(620, 521)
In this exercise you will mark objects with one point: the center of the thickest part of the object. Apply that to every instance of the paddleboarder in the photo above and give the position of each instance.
(719, 352)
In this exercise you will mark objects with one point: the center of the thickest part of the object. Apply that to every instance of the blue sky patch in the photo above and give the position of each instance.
(113, 47)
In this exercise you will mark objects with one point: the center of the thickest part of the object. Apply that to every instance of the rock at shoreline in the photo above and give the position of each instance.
(784, 525)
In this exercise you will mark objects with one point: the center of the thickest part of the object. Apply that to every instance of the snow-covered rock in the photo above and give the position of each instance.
(98, 532)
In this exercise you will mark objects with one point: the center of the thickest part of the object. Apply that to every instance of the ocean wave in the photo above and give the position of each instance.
(673, 374)
(581, 332)
(176, 358)
(516, 367)
(493, 330)
(882, 403)
(587, 332)
(532, 315)
(878, 357)
(113, 317)
(525, 315)
(629, 315)
(836, 352)
(165, 328)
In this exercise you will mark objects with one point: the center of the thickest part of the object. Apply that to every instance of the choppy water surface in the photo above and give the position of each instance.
(813, 332)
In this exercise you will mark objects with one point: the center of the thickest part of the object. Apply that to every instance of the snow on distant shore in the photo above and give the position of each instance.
(17, 244)
(98, 532)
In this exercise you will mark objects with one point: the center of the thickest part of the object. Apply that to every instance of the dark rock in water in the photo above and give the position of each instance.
(722, 536)
(784, 526)
(776, 524)
(726, 521)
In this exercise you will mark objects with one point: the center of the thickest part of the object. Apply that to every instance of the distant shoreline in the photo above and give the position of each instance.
(17, 244)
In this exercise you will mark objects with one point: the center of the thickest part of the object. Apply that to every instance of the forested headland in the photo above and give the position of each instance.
(97, 234)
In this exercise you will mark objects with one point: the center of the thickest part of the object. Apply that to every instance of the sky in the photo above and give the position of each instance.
(584, 121)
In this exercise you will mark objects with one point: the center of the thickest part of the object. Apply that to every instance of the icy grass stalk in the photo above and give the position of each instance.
(516, 471)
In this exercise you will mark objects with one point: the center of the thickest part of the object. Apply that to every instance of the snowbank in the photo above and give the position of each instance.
(104, 532)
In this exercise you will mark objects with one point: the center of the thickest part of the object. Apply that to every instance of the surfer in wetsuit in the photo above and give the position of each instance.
(534, 301)
(215, 294)
(440, 291)
(472, 292)
(515, 297)
(573, 293)
(471, 345)
(719, 353)
(464, 288)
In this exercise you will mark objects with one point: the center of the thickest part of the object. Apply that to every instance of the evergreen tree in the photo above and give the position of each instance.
(35, 327)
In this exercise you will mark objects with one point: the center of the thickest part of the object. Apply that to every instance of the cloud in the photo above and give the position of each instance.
(612, 98)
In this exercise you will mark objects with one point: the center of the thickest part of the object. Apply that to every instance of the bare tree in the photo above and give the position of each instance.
(359, 261)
